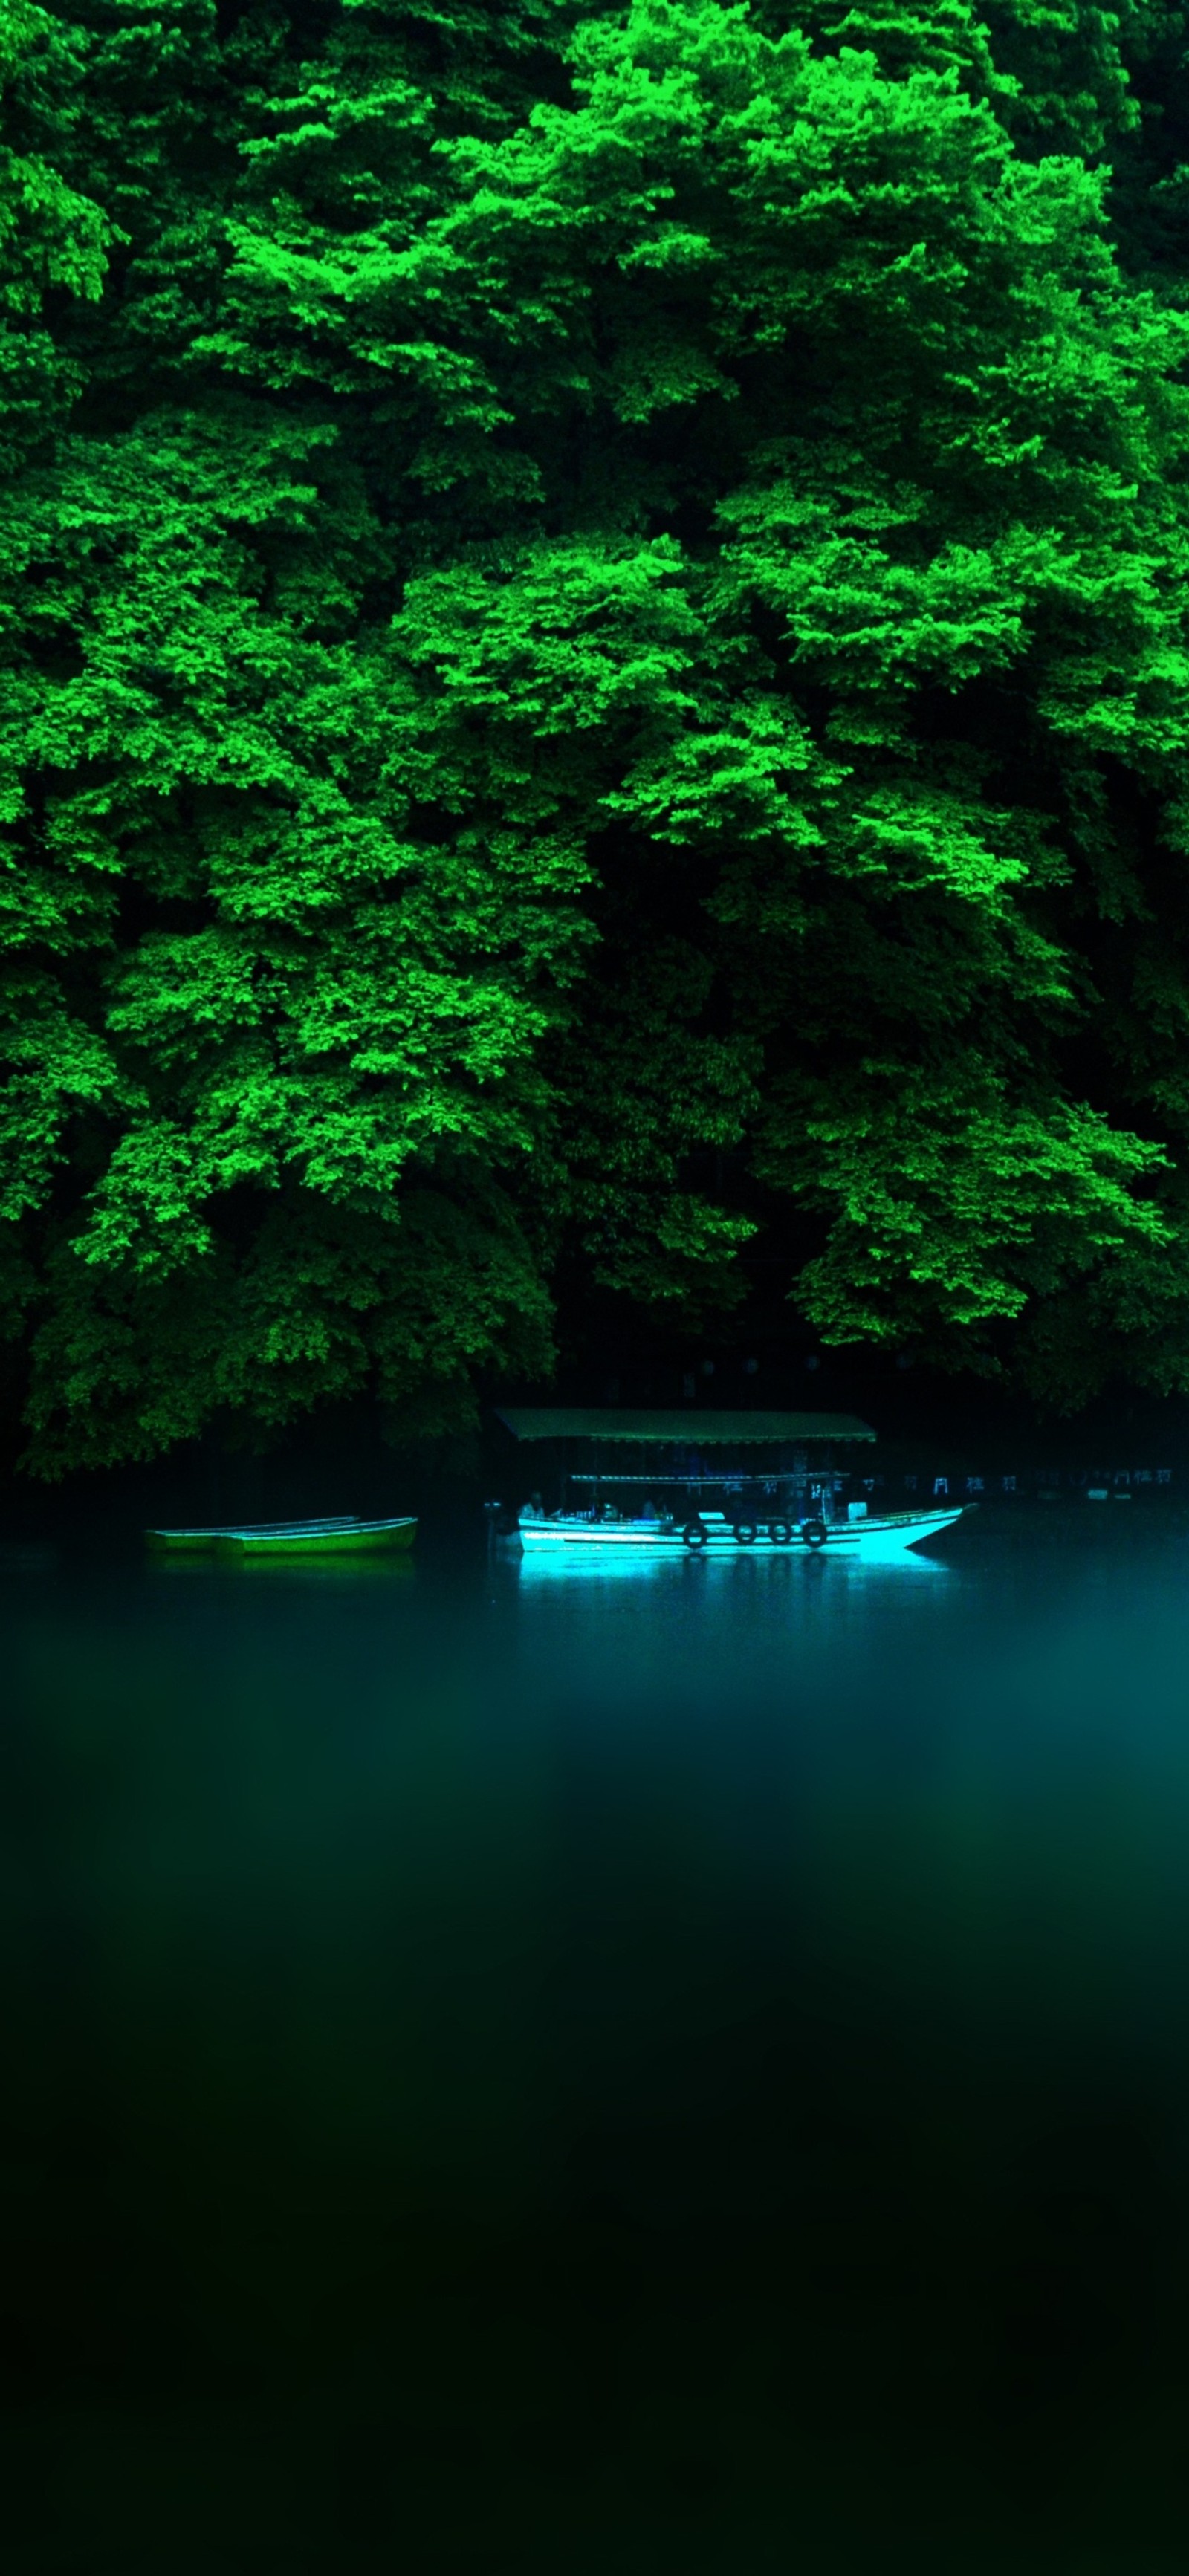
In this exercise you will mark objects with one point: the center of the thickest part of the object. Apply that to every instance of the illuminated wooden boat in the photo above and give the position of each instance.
(699, 1481)
(879, 1534)
(345, 1537)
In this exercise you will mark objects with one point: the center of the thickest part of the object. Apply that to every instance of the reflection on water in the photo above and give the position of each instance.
(383, 1568)
(665, 2066)
(587, 1565)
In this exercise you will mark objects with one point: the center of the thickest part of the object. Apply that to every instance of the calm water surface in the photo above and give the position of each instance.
(680, 2069)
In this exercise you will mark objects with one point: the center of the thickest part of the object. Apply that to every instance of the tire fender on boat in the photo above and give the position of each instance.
(694, 1534)
(745, 1532)
(780, 1533)
(814, 1533)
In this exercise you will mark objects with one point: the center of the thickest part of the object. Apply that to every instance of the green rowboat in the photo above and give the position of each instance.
(354, 1538)
(347, 1536)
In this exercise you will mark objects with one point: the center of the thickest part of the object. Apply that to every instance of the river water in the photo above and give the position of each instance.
(681, 2069)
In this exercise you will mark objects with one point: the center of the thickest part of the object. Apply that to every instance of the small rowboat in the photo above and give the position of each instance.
(345, 1537)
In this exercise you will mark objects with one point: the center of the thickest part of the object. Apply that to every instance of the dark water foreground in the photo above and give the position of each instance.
(685, 2070)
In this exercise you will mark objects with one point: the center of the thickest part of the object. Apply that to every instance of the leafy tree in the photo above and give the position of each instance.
(596, 676)
(275, 986)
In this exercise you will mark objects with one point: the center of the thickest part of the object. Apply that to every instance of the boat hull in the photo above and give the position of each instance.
(289, 1538)
(203, 1542)
(882, 1535)
(370, 1538)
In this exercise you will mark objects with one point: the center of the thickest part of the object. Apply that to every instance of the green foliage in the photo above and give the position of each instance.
(596, 680)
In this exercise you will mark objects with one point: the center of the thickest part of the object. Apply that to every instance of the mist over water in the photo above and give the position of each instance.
(680, 2067)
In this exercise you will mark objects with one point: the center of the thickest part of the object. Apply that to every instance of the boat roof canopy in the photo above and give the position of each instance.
(622, 1422)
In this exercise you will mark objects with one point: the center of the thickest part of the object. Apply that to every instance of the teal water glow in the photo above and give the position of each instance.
(684, 2068)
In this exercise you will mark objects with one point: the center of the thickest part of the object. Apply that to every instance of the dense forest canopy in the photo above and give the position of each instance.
(596, 687)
